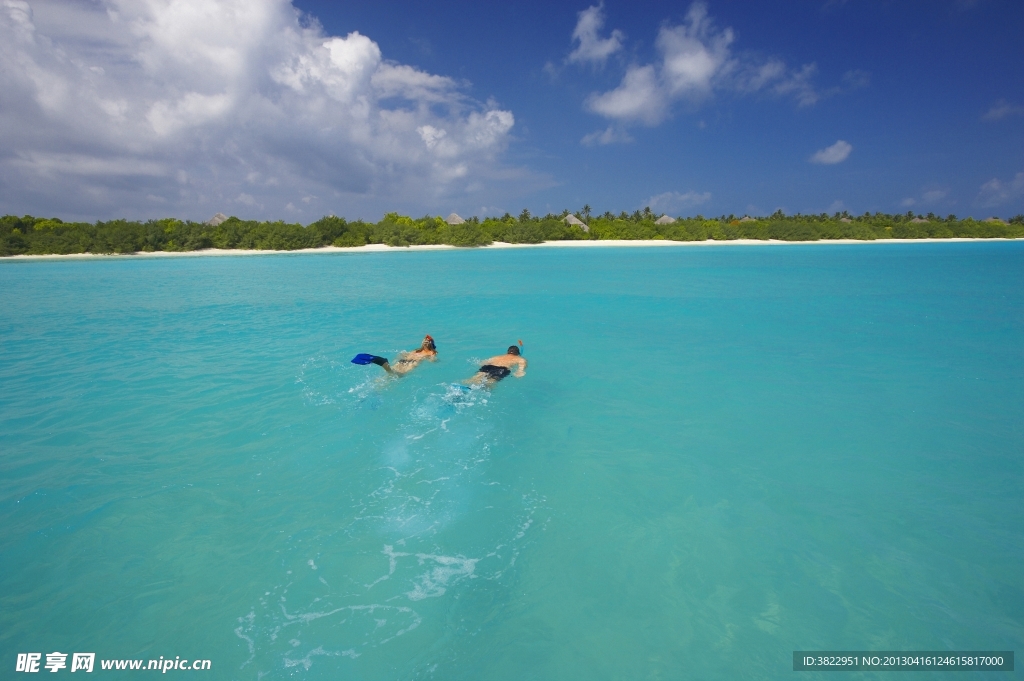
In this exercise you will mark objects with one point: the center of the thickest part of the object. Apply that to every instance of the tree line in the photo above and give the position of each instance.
(39, 236)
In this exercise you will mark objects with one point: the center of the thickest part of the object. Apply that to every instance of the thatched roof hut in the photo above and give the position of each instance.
(747, 218)
(994, 219)
(571, 219)
(918, 221)
(454, 219)
(664, 220)
(217, 219)
(845, 220)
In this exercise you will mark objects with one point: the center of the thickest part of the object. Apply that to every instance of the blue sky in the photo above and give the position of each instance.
(267, 109)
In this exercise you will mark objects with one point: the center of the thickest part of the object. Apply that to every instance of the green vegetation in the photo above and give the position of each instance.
(37, 236)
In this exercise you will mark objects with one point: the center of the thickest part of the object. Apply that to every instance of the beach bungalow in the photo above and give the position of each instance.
(747, 218)
(571, 219)
(664, 220)
(217, 219)
(454, 219)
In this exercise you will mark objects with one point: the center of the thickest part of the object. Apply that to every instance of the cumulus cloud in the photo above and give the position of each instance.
(676, 201)
(996, 192)
(112, 107)
(836, 153)
(1001, 110)
(590, 47)
(696, 60)
(640, 97)
(693, 53)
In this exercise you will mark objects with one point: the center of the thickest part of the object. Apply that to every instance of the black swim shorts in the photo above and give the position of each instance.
(495, 372)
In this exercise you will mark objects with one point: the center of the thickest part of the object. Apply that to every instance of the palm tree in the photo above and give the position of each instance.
(586, 212)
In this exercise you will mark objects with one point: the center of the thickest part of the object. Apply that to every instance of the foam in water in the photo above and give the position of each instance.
(429, 472)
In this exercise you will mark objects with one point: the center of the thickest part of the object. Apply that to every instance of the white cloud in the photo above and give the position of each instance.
(1001, 110)
(640, 97)
(927, 198)
(245, 199)
(755, 77)
(592, 48)
(856, 79)
(798, 84)
(996, 192)
(693, 54)
(111, 105)
(836, 153)
(610, 135)
(836, 206)
(695, 61)
(676, 201)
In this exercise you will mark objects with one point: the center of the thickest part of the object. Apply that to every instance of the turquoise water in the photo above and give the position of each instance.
(717, 456)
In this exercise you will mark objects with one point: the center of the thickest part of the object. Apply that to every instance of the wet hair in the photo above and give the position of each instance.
(429, 342)
(513, 350)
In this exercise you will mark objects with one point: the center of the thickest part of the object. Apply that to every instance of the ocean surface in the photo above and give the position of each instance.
(717, 456)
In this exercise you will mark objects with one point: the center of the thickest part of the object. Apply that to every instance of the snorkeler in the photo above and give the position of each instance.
(406, 362)
(500, 366)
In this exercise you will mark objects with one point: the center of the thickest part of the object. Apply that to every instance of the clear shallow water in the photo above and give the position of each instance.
(718, 456)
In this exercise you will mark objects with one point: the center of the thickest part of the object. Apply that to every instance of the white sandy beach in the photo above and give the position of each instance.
(382, 248)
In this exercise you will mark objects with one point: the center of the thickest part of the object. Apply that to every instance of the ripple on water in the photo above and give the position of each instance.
(423, 524)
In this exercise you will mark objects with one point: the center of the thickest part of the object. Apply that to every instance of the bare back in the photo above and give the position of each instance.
(516, 363)
(408, 361)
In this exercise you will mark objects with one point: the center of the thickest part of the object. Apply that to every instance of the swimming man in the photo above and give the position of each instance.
(498, 367)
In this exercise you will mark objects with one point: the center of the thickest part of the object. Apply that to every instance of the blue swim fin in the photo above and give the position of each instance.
(364, 358)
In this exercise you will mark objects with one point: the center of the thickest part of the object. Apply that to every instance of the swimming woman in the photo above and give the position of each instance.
(499, 367)
(406, 362)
